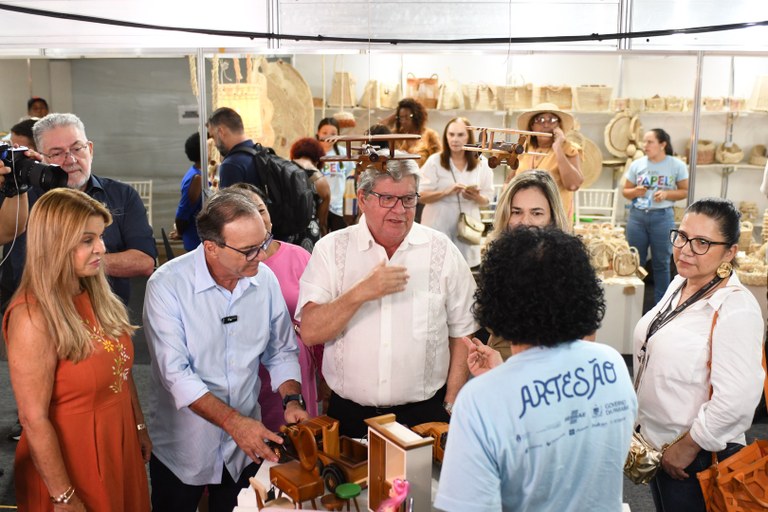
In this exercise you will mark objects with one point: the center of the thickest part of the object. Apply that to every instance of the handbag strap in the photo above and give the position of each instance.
(454, 180)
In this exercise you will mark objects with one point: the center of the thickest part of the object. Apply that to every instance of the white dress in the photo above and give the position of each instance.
(443, 215)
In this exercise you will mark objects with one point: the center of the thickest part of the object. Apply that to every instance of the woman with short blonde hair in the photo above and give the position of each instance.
(70, 357)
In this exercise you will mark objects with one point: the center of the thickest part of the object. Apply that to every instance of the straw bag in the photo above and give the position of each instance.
(626, 263)
(371, 97)
(423, 90)
(342, 89)
(390, 95)
(514, 97)
(674, 104)
(655, 104)
(745, 235)
(758, 155)
(450, 96)
(705, 152)
(485, 97)
(729, 154)
(560, 95)
(713, 104)
(592, 98)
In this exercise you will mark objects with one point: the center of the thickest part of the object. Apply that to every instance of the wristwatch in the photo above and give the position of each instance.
(291, 398)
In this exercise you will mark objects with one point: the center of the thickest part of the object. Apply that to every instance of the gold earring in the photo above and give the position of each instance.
(724, 270)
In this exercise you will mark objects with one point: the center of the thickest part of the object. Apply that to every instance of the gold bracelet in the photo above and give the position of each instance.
(141, 426)
(65, 497)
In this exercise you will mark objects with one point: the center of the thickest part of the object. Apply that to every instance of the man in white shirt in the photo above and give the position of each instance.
(390, 300)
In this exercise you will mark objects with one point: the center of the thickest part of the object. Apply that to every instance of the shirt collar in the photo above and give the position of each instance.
(416, 236)
(717, 298)
(93, 183)
(203, 278)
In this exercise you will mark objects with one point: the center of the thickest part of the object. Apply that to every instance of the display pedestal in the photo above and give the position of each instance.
(623, 309)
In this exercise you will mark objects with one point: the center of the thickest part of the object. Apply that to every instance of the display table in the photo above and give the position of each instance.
(623, 309)
(263, 476)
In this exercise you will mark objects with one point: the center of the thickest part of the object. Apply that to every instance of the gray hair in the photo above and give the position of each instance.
(225, 206)
(397, 170)
(56, 120)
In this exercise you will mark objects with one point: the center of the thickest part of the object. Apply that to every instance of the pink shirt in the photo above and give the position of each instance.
(288, 263)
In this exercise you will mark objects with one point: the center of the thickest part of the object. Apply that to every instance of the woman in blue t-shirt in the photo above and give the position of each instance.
(654, 182)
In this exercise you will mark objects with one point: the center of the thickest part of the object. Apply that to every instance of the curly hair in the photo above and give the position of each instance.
(537, 287)
(420, 114)
(308, 148)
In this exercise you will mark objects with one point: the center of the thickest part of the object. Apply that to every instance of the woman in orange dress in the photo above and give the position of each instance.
(84, 442)
(556, 155)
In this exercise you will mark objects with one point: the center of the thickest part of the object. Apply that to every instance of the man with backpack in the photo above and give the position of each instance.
(290, 198)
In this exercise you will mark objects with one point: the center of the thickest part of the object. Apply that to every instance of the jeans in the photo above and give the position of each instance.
(671, 495)
(651, 228)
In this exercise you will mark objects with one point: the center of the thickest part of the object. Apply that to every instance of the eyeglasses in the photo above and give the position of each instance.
(699, 246)
(409, 116)
(546, 119)
(59, 155)
(388, 201)
(252, 254)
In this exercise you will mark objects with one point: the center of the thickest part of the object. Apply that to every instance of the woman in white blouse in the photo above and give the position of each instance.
(679, 395)
(454, 181)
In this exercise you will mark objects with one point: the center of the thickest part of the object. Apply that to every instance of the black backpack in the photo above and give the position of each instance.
(290, 200)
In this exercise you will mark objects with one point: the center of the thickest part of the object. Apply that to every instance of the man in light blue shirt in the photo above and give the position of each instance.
(211, 316)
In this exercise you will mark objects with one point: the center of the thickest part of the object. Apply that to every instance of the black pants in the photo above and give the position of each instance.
(670, 495)
(169, 494)
(352, 416)
(335, 222)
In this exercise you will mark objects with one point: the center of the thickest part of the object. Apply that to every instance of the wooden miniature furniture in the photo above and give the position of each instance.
(438, 431)
(261, 497)
(395, 451)
(347, 492)
(300, 479)
(331, 502)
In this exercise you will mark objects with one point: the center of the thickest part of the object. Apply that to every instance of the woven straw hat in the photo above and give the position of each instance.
(621, 131)
(592, 161)
(566, 120)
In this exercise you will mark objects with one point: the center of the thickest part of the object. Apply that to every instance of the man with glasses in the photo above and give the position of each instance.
(390, 300)
(211, 316)
(131, 250)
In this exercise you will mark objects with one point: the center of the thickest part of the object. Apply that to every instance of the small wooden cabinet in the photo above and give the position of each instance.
(394, 451)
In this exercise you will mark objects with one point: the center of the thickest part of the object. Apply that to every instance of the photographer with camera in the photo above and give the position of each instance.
(13, 211)
(62, 145)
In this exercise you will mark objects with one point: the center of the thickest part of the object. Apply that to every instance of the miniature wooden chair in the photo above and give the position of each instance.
(300, 479)
(261, 497)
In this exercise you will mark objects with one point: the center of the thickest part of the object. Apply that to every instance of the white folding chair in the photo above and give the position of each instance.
(596, 205)
(144, 188)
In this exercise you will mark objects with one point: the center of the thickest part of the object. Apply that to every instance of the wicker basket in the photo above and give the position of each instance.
(705, 152)
(758, 155)
(560, 95)
(592, 98)
(729, 154)
(714, 104)
(514, 97)
(745, 235)
(674, 104)
(655, 104)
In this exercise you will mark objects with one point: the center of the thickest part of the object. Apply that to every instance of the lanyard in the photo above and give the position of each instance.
(664, 316)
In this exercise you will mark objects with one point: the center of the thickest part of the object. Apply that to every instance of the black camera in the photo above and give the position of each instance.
(26, 172)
